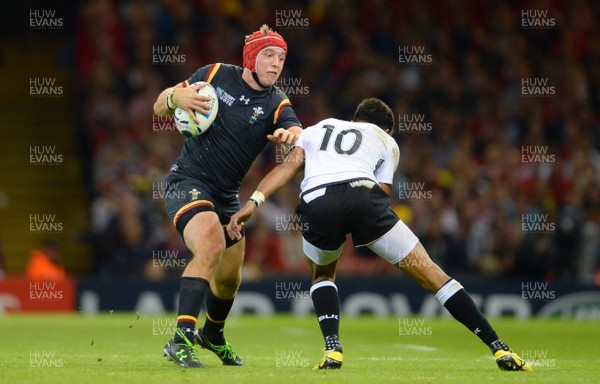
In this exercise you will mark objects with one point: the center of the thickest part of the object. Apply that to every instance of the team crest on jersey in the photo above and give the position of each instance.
(195, 193)
(244, 99)
(257, 112)
(224, 96)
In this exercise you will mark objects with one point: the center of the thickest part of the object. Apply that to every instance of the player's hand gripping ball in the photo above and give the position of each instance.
(187, 126)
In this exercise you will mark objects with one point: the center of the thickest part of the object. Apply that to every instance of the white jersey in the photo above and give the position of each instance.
(339, 150)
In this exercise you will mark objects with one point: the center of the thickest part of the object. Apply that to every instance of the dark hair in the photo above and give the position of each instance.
(377, 112)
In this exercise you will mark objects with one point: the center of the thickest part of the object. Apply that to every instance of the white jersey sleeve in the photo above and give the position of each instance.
(385, 171)
(338, 150)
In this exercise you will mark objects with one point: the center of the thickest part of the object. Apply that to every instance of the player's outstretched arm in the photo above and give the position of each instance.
(271, 183)
(285, 136)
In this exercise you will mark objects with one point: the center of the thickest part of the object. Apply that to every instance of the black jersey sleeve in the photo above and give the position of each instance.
(205, 73)
(285, 116)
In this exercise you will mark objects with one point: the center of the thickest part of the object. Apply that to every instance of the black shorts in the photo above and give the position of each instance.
(363, 212)
(185, 197)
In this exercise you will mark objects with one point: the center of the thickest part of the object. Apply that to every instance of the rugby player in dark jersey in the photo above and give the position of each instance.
(203, 185)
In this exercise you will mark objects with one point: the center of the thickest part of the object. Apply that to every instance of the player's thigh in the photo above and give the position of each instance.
(322, 220)
(203, 235)
(401, 247)
(319, 256)
(395, 244)
(191, 208)
(371, 216)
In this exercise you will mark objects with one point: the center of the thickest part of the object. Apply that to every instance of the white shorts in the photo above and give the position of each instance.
(393, 246)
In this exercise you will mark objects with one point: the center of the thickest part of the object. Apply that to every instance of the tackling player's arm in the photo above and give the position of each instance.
(271, 183)
(285, 136)
(186, 98)
(289, 126)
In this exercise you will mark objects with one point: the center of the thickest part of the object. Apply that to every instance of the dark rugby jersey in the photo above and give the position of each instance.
(221, 156)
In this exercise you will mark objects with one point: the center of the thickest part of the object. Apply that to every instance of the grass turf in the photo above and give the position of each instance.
(127, 348)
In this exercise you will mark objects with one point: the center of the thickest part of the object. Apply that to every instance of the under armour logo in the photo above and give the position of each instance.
(477, 330)
(244, 99)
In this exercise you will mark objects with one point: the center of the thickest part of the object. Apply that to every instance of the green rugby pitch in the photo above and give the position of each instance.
(127, 348)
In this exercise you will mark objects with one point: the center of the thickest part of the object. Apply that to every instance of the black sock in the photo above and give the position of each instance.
(332, 342)
(192, 291)
(499, 345)
(216, 313)
(327, 307)
(458, 302)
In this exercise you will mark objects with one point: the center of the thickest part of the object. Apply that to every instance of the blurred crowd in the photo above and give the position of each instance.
(495, 181)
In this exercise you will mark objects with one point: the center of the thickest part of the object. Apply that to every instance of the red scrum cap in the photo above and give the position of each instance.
(258, 41)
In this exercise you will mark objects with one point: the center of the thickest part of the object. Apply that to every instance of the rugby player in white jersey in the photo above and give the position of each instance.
(348, 172)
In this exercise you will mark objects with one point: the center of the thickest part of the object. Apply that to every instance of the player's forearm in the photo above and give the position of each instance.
(283, 173)
(277, 178)
(160, 106)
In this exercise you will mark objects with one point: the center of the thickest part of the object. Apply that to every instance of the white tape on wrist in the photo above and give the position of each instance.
(170, 104)
(257, 198)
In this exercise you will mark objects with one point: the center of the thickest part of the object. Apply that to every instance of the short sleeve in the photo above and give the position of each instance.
(205, 73)
(285, 116)
(386, 169)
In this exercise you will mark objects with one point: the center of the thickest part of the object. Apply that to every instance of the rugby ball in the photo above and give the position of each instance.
(187, 126)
